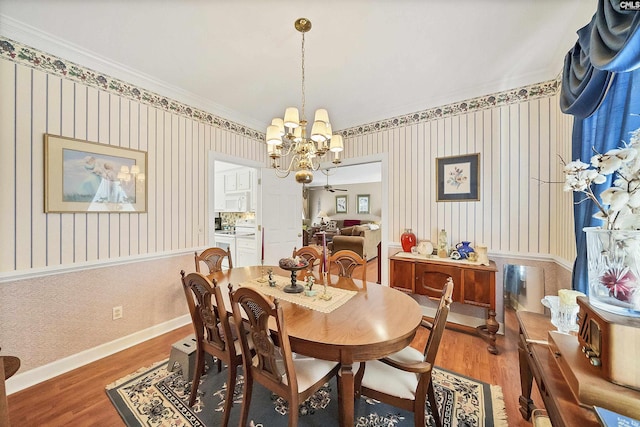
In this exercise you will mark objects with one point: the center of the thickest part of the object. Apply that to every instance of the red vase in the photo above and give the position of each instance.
(408, 240)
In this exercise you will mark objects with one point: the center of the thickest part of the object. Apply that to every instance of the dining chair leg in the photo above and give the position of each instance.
(231, 386)
(294, 409)
(197, 372)
(431, 394)
(357, 380)
(246, 399)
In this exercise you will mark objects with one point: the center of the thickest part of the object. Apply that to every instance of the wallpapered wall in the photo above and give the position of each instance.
(326, 200)
(520, 146)
(49, 314)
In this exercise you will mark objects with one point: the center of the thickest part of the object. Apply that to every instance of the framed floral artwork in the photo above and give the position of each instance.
(82, 176)
(341, 204)
(458, 178)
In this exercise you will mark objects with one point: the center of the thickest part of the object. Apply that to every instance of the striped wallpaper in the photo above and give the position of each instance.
(519, 143)
(522, 208)
(34, 103)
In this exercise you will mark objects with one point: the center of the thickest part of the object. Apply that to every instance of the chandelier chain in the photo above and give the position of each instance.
(303, 93)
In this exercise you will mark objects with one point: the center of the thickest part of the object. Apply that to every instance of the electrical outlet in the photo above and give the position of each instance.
(117, 312)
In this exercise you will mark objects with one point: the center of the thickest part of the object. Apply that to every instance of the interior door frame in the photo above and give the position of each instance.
(383, 159)
(240, 161)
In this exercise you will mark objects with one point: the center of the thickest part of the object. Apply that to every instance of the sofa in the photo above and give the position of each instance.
(361, 239)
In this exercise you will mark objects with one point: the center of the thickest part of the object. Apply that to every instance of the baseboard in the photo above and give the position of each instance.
(42, 373)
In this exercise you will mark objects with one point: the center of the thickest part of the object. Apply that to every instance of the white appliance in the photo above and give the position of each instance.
(226, 241)
(237, 202)
(246, 243)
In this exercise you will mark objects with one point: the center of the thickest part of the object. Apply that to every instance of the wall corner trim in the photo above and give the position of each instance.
(42, 373)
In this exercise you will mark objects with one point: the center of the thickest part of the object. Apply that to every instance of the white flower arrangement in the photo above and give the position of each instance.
(619, 205)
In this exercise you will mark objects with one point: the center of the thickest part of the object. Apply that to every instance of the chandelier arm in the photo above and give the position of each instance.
(289, 168)
(281, 173)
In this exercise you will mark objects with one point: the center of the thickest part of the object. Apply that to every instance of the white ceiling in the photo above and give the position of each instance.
(366, 60)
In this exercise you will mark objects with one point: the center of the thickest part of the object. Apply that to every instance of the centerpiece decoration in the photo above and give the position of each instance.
(293, 265)
(613, 250)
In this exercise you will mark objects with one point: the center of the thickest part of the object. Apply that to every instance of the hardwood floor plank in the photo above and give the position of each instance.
(78, 397)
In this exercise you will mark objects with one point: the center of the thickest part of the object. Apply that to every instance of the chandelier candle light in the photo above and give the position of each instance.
(288, 136)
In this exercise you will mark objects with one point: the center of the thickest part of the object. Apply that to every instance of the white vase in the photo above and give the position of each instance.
(613, 258)
(483, 256)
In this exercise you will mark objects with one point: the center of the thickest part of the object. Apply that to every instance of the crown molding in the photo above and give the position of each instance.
(512, 96)
(27, 45)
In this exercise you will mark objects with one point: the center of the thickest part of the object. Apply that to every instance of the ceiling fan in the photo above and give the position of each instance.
(328, 187)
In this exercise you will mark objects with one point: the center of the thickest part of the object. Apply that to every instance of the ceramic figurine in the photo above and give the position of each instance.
(310, 281)
(272, 282)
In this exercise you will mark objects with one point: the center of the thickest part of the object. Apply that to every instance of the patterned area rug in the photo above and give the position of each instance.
(155, 397)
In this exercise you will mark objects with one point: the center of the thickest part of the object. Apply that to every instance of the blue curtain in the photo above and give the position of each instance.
(601, 88)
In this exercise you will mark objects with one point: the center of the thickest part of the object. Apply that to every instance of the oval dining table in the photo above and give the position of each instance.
(375, 322)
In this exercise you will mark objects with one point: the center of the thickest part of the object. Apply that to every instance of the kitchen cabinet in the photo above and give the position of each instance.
(474, 284)
(244, 180)
(227, 241)
(233, 191)
(230, 181)
(246, 252)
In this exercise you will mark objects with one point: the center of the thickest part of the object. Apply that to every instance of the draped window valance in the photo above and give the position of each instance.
(601, 89)
(610, 43)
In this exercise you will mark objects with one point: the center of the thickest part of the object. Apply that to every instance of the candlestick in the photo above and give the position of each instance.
(324, 249)
(262, 279)
(262, 256)
(322, 260)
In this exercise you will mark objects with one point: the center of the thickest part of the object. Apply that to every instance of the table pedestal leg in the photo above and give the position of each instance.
(347, 390)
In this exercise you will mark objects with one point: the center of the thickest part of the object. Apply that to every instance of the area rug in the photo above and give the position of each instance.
(155, 397)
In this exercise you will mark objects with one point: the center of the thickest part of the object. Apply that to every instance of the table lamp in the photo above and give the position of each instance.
(322, 215)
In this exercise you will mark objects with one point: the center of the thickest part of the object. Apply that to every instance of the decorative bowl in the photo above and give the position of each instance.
(290, 265)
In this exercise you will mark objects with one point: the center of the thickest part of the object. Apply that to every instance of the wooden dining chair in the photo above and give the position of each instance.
(274, 366)
(404, 379)
(213, 258)
(347, 262)
(309, 253)
(213, 333)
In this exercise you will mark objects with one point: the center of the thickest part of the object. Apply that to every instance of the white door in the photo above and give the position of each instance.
(281, 202)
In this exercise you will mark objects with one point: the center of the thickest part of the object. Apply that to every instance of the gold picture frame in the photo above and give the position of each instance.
(83, 176)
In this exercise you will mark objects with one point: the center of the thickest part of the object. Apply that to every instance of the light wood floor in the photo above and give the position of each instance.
(78, 398)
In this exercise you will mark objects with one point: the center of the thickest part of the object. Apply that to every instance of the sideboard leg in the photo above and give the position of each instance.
(488, 331)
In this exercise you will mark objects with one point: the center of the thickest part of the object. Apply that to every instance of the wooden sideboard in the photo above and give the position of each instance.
(474, 284)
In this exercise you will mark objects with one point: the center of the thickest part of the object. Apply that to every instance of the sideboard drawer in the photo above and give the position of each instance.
(431, 278)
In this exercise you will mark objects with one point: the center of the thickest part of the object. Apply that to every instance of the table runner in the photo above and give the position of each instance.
(338, 296)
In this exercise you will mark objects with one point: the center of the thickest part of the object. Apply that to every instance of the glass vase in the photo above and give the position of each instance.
(613, 258)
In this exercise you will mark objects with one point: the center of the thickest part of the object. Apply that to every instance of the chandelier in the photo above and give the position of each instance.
(287, 142)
